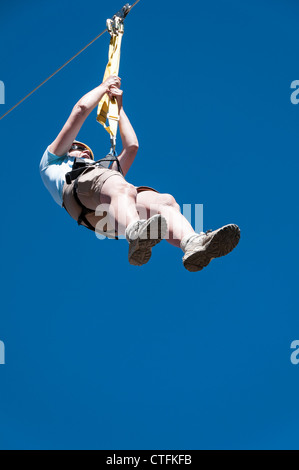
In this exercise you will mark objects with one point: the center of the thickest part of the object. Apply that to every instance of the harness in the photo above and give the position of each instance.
(79, 167)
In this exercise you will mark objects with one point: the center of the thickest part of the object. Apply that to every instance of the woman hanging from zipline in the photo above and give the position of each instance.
(141, 214)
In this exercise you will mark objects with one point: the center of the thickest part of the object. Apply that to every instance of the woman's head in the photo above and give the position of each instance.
(81, 150)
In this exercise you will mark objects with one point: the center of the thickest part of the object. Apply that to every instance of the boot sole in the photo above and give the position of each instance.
(140, 250)
(221, 244)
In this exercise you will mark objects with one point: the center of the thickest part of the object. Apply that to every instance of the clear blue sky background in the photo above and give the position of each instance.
(103, 355)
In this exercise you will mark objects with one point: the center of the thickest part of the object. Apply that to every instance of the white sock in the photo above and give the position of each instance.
(187, 239)
(131, 227)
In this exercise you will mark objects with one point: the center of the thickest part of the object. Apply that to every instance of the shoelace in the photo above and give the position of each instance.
(139, 222)
(205, 233)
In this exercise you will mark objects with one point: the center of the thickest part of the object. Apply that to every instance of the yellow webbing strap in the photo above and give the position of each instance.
(108, 108)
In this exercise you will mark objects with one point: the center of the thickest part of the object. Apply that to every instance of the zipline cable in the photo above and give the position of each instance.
(58, 70)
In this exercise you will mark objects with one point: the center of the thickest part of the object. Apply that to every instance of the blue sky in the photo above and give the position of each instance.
(102, 355)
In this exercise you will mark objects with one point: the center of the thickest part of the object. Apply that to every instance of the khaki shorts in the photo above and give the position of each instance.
(90, 185)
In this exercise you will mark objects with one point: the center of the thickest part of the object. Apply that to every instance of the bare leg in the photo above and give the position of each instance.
(165, 204)
(120, 196)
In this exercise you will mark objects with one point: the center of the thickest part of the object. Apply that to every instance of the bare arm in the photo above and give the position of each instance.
(128, 136)
(79, 114)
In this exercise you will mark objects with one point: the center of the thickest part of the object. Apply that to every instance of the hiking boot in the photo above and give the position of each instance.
(201, 249)
(142, 236)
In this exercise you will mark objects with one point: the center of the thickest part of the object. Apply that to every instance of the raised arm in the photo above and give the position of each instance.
(127, 133)
(80, 112)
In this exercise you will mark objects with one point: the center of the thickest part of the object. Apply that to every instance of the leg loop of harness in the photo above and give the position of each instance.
(85, 211)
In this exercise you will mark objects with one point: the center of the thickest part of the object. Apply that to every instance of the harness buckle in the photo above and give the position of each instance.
(113, 145)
